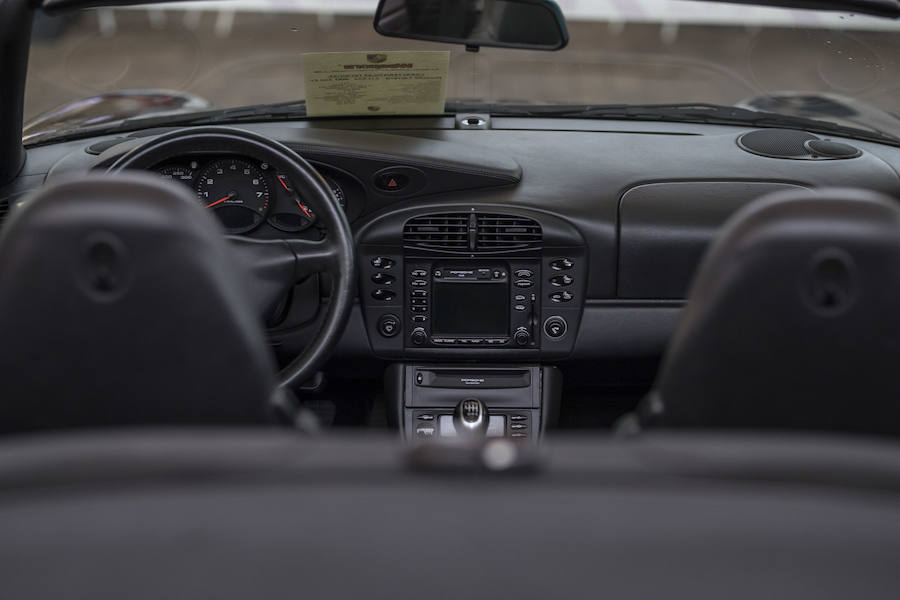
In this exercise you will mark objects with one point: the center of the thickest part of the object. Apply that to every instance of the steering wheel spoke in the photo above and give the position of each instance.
(313, 257)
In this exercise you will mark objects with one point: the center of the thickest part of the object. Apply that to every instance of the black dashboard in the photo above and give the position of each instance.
(561, 239)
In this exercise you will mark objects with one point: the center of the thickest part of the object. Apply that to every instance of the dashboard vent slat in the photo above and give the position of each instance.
(439, 231)
(472, 232)
(507, 232)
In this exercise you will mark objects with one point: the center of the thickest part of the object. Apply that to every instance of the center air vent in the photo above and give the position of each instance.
(507, 232)
(472, 232)
(447, 231)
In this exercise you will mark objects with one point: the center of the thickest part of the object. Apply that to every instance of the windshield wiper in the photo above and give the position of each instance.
(698, 112)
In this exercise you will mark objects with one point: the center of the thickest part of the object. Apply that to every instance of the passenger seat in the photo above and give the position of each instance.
(792, 322)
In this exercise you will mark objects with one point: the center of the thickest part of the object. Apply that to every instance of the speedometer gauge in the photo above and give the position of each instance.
(237, 191)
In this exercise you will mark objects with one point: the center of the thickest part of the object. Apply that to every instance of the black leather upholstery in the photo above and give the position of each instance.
(793, 321)
(120, 304)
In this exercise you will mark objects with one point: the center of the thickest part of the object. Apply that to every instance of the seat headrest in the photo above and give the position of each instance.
(121, 303)
(792, 321)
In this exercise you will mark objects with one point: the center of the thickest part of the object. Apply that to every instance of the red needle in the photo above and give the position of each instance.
(219, 201)
(283, 184)
(306, 212)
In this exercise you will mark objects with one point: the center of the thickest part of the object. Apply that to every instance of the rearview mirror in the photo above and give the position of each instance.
(528, 24)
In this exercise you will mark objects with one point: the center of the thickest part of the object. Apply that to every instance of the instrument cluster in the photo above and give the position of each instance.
(244, 193)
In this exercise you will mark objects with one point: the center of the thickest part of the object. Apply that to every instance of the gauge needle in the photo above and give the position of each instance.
(306, 212)
(220, 200)
(283, 184)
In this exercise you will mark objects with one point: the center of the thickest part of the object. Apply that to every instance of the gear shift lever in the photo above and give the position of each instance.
(470, 418)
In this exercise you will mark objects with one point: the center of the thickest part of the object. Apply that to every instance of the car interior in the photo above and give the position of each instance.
(493, 352)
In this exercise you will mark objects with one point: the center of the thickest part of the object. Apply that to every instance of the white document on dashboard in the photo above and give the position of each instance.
(375, 83)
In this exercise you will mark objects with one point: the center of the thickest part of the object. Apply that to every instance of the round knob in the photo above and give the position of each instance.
(522, 337)
(389, 326)
(418, 336)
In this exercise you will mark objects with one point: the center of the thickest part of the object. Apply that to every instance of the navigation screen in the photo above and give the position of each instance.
(475, 309)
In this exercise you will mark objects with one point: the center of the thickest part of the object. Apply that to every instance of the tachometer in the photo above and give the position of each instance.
(237, 191)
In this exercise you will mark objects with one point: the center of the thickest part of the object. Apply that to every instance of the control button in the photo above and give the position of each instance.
(390, 181)
(382, 262)
(484, 274)
(425, 430)
(438, 274)
(518, 418)
(498, 274)
(424, 417)
(519, 307)
(555, 327)
(561, 280)
(418, 283)
(382, 279)
(525, 273)
(561, 296)
(383, 295)
(418, 308)
(443, 341)
(419, 301)
(518, 434)
(522, 337)
(497, 341)
(520, 298)
(419, 273)
(524, 283)
(562, 264)
(419, 379)
(419, 294)
(418, 336)
(388, 326)
(518, 426)
(419, 318)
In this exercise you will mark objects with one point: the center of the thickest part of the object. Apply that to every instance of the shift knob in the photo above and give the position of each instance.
(470, 418)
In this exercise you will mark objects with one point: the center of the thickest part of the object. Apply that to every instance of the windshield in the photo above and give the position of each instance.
(828, 66)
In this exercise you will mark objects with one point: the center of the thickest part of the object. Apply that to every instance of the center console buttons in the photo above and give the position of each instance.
(562, 264)
(524, 273)
(418, 336)
(524, 283)
(561, 296)
(383, 295)
(561, 280)
(418, 283)
(382, 262)
(382, 279)
(389, 326)
(555, 327)
(419, 273)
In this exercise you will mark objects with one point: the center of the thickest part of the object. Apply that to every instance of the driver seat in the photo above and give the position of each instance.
(121, 304)
(792, 322)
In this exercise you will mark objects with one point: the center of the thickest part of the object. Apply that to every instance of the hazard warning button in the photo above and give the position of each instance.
(391, 181)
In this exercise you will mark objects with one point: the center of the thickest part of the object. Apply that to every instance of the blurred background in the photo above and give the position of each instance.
(621, 51)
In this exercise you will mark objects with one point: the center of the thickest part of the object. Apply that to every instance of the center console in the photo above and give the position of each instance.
(517, 402)
(470, 302)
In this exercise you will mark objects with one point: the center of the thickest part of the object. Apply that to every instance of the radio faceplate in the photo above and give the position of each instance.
(472, 303)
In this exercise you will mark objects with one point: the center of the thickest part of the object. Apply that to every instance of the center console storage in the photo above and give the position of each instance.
(518, 401)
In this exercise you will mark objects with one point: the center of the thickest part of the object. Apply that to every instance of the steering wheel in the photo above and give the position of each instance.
(276, 265)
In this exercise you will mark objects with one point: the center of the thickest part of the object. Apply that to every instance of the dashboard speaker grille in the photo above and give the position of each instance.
(447, 231)
(472, 232)
(507, 232)
(777, 143)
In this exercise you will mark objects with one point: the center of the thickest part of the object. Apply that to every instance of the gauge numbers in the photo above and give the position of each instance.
(237, 191)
